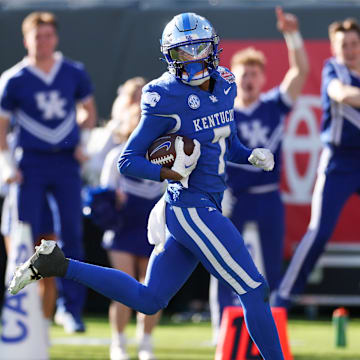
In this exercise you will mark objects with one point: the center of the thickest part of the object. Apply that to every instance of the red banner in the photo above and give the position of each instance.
(301, 146)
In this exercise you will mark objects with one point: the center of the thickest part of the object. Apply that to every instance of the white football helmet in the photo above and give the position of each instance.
(189, 44)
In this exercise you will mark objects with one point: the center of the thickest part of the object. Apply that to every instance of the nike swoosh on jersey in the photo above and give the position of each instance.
(226, 91)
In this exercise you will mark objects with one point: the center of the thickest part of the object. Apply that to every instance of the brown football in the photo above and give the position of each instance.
(162, 150)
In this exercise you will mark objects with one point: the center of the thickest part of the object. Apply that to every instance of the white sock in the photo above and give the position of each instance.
(119, 339)
(146, 339)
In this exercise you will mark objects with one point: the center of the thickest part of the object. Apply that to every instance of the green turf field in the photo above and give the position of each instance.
(310, 340)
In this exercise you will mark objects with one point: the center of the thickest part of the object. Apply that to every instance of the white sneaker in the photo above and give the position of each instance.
(69, 322)
(27, 273)
(118, 352)
(146, 349)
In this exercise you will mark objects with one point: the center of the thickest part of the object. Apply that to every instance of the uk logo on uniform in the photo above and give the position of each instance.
(255, 133)
(51, 104)
(194, 101)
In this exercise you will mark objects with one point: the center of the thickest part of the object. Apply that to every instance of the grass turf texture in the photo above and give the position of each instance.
(310, 340)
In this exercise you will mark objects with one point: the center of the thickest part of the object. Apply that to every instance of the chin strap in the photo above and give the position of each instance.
(196, 82)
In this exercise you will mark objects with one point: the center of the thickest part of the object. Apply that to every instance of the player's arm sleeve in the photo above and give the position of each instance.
(132, 161)
(238, 153)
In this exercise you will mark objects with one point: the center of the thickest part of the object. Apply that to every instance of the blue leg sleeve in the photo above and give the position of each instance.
(166, 273)
(260, 323)
(221, 249)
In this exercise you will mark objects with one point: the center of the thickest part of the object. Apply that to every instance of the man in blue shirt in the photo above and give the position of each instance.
(194, 98)
(41, 93)
(339, 167)
(253, 199)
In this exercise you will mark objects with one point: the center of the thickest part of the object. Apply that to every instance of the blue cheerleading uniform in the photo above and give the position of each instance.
(43, 109)
(338, 178)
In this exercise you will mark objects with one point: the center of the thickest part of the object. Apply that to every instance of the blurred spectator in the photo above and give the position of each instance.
(41, 92)
(253, 200)
(126, 243)
(339, 167)
(100, 140)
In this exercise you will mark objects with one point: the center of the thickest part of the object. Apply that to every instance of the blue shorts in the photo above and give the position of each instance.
(133, 241)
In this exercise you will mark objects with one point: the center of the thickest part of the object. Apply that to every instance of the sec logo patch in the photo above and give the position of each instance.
(193, 101)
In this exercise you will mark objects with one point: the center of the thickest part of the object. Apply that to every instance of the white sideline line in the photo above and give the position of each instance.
(92, 341)
(81, 340)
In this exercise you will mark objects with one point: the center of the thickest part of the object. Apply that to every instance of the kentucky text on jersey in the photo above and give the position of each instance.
(170, 106)
(213, 120)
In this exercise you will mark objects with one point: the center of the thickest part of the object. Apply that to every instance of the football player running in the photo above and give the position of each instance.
(195, 98)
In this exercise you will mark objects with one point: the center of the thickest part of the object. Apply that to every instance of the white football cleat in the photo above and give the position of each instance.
(48, 260)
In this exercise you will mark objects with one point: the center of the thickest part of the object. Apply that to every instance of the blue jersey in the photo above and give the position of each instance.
(170, 106)
(43, 105)
(260, 125)
(340, 122)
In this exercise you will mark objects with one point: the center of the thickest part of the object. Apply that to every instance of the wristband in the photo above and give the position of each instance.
(293, 40)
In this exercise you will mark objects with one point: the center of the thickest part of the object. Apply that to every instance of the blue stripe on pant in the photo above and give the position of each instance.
(193, 234)
(218, 245)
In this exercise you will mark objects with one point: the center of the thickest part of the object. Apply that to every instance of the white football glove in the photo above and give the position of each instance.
(262, 158)
(185, 164)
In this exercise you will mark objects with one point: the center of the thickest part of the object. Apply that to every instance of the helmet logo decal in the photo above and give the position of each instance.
(193, 101)
(151, 98)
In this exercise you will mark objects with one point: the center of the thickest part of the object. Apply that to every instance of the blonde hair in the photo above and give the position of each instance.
(346, 25)
(248, 56)
(130, 120)
(38, 18)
